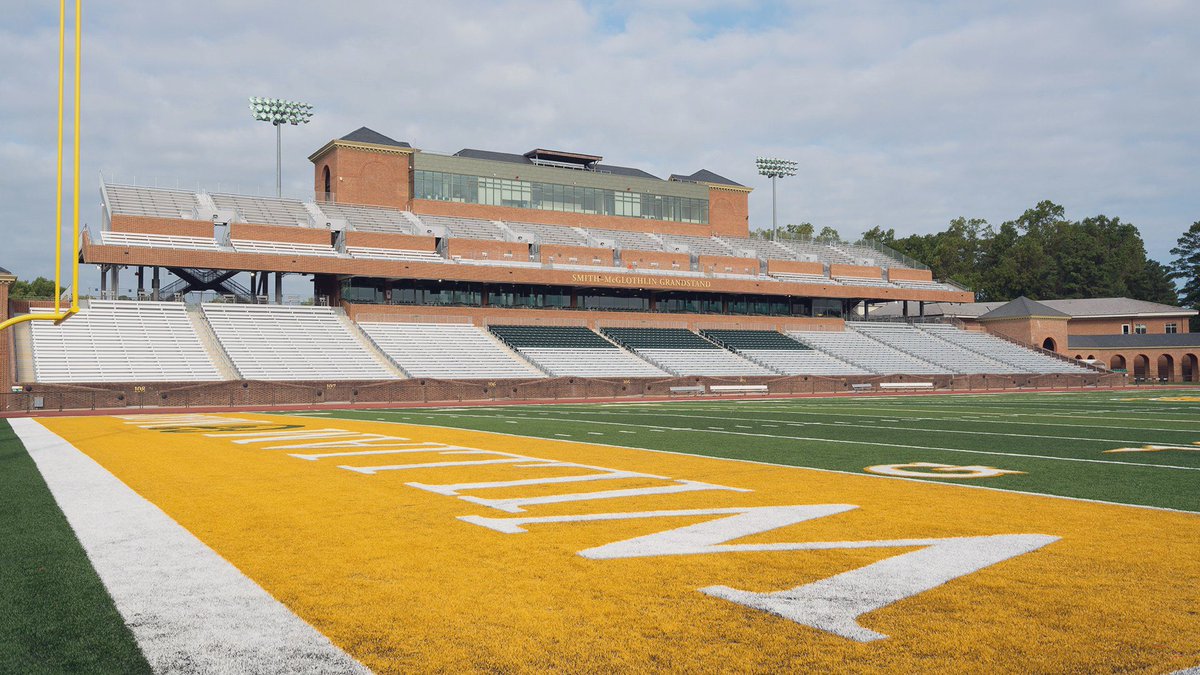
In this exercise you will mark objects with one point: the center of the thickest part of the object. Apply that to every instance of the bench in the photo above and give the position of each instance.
(698, 389)
(906, 385)
(864, 386)
(738, 388)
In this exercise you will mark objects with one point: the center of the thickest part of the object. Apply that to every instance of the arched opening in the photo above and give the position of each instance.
(328, 186)
(1117, 363)
(1191, 368)
(1091, 357)
(1166, 367)
(1141, 366)
(1079, 357)
(1049, 343)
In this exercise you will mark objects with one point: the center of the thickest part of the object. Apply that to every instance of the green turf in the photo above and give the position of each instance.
(1058, 440)
(55, 615)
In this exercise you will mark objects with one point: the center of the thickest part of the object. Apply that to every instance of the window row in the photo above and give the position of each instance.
(453, 187)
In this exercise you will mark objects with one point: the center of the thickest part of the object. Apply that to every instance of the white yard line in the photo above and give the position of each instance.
(842, 441)
(873, 425)
(835, 413)
(189, 609)
(813, 468)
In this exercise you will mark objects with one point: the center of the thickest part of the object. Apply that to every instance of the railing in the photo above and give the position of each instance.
(890, 253)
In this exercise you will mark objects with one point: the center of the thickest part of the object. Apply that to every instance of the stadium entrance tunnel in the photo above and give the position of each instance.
(1141, 366)
(1117, 363)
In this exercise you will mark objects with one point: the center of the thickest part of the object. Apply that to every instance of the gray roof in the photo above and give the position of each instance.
(1023, 307)
(1084, 307)
(965, 310)
(512, 158)
(365, 135)
(706, 176)
(4, 271)
(1133, 341)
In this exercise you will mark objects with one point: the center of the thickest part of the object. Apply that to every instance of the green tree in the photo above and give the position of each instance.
(886, 237)
(798, 231)
(40, 287)
(1186, 268)
(1155, 284)
(828, 235)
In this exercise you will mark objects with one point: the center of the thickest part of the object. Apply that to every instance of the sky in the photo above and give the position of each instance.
(900, 114)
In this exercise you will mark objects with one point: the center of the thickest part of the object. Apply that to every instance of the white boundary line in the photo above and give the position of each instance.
(761, 463)
(189, 609)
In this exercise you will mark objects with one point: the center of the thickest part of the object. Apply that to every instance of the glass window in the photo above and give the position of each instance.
(1124, 329)
(1172, 328)
(1140, 329)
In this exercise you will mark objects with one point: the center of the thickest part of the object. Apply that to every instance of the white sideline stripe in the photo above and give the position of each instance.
(189, 609)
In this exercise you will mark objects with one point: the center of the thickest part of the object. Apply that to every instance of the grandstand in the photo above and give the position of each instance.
(562, 267)
(447, 351)
(682, 352)
(267, 342)
(573, 351)
(112, 341)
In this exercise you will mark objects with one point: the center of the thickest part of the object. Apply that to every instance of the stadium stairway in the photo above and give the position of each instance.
(22, 351)
(781, 353)
(682, 352)
(208, 340)
(369, 345)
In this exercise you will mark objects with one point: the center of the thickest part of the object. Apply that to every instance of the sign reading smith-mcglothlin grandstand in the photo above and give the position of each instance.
(631, 280)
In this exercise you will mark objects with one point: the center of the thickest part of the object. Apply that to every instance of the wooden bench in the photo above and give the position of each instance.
(738, 388)
(906, 385)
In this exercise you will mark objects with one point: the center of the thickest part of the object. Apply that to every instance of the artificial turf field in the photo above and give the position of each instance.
(605, 537)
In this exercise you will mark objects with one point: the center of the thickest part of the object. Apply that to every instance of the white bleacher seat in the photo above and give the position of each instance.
(370, 218)
(714, 362)
(466, 228)
(863, 352)
(131, 200)
(394, 254)
(930, 348)
(763, 248)
(587, 362)
(282, 248)
(1002, 350)
(159, 241)
(699, 245)
(801, 362)
(638, 241)
(285, 342)
(121, 341)
(264, 210)
(550, 234)
(863, 281)
(804, 278)
(447, 351)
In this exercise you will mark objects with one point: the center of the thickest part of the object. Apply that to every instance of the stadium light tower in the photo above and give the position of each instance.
(279, 112)
(774, 168)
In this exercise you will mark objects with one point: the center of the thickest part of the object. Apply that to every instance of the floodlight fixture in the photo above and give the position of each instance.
(774, 168)
(279, 112)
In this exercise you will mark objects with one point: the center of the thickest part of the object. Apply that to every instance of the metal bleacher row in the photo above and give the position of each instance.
(164, 203)
(128, 341)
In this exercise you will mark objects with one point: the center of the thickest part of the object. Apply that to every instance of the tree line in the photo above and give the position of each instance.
(1044, 256)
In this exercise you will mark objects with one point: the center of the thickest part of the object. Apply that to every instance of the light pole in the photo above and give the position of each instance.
(279, 112)
(774, 168)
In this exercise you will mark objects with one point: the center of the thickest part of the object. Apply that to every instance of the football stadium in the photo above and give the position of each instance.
(540, 412)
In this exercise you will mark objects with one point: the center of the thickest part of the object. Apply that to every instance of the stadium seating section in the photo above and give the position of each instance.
(114, 341)
(446, 351)
(280, 342)
(573, 351)
(128, 341)
(682, 352)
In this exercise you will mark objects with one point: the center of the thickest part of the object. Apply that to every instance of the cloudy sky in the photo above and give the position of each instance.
(900, 114)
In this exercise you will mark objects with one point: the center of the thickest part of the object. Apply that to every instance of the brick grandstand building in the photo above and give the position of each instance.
(484, 274)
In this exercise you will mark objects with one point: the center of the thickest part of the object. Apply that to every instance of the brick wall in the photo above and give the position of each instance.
(377, 177)
(795, 267)
(728, 212)
(725, 264)
(296, 235)
(583, 255)
(478, 249)
(904, 274)
(665, 260)
(171, 226)
(406, 242)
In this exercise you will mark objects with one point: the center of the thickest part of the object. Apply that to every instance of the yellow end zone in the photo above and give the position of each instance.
(561, 562)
